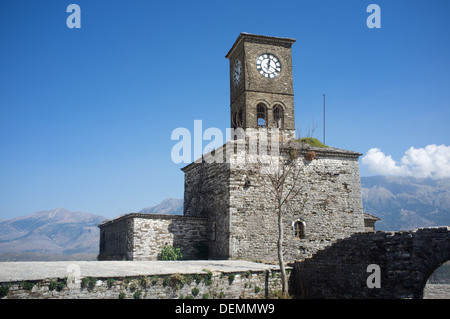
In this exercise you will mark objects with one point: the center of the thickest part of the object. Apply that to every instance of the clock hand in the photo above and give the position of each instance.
(269, 66)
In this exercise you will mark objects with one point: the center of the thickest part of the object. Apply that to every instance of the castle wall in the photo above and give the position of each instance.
(404, 261)
(142, 236)
(233, 198)
(230, 285)
(152, 233)
(328, 206)
(207, 195)
(116, 240)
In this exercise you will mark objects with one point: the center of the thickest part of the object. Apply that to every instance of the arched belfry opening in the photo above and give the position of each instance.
(278, 117)
(261, 115)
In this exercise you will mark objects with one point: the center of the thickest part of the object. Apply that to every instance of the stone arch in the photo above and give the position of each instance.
(406, 260)
(430, 254)
(237, 119)
(298, 227)
(278, 114)
(261, 115)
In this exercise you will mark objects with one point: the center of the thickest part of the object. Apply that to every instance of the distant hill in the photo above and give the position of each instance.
(405, 203)
(57, 231)
(61, 234)
(170, 206)
(402, 203)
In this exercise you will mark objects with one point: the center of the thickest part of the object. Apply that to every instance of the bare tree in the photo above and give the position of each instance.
(279, 177)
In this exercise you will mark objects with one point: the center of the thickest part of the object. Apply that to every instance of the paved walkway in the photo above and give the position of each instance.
(37, 270)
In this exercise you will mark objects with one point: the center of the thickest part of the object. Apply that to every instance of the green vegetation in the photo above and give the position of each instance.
(137, 294)
(4, 290)
(57, 285)
(110, 282)
(197, 278)
(231, 278)
(27, 285)
(176, 281)
(88, 282)
(311, 141)
(208, 277)
(154, 280)
(195, 291)
(170, 253)
(122, 295)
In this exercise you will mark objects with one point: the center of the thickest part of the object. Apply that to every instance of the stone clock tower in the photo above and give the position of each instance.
(228, 212)
(261, 86)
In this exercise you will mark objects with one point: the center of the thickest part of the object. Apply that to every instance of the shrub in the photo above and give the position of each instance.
(195, 291)
(27, 285)
(110, 282)
(170, 253)
(137, 294)
(122, 295)
(231, 278)
(208, 277)
(4, 290)
(312, 141)
(197, 278)
(88, 282)
(176, 281)
(56, 285)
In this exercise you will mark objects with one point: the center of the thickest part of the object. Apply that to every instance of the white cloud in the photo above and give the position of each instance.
(433, 161)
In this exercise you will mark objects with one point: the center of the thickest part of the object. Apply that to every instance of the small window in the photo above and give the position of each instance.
(278, 117)
(261, 115)
(299, 229)
(237, 119)
(214, 231)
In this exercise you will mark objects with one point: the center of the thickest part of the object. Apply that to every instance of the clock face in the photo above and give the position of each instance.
(237, 72)
(268, 65)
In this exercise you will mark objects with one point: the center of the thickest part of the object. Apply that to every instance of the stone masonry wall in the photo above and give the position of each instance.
(405, 259)
(208, 285)
(329, 206)
(116, 242)
(206, 194)
(142, 236)
(242, 222)
(153, 232)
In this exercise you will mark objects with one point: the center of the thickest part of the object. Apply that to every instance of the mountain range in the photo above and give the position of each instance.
(402, 203)
(405, 203)
(57, 233)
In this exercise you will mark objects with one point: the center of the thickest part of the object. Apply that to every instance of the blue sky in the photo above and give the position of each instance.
(86, 114)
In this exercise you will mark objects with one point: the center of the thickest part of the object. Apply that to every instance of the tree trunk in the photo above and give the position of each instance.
(280, 253)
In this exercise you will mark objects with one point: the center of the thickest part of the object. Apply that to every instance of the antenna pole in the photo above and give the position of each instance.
(324, 119)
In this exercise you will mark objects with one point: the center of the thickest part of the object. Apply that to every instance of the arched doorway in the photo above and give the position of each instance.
(438, 283)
